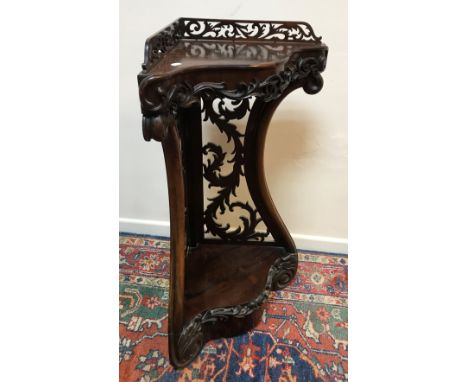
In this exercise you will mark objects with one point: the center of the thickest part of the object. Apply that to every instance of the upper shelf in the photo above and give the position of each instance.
(260, 46)
(235, 59)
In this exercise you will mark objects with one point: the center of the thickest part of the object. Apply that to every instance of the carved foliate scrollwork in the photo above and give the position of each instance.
(284, 271)
(248, 30)
(191, 339)
(156, 127)
(221, 116)
(297, 60)
(188, 28)
(162, 105)
(161, 42)
(157, 99)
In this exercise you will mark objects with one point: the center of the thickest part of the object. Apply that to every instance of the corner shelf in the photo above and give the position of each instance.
(211, 68)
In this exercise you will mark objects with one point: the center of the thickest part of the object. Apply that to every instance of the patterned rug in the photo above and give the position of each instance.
(302, 335)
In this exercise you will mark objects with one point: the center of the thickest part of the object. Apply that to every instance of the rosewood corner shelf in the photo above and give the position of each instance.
(218, 71)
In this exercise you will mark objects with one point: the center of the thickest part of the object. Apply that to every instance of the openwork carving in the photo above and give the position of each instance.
(216, 111)
(184, 70)
(248, 30)
(161, 42)
(191, 338)
(188, 28)
(160, 105)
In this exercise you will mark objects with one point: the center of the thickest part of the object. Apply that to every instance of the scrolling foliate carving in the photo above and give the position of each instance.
(222, 30)
(160, 104)
(191, 339)
(211, 68)
(161, 42)
(284, 271)
(248, 30)
(216, 111)
(156, 127)
(156, 98)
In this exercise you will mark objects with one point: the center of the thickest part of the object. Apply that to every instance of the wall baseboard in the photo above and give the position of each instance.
(307, 242)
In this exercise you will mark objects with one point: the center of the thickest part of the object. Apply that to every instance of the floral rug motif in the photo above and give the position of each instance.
(302, 337)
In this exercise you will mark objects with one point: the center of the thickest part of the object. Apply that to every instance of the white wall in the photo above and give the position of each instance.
(306, 148)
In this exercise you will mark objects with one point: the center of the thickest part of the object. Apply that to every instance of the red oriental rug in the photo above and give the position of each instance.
(303, 334)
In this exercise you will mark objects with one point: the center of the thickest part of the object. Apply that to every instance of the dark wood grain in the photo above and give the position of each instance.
(176, 188)
(218, 283)
(220, 275)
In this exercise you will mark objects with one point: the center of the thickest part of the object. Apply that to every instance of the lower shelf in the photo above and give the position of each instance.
(225, 284)
(221, 275)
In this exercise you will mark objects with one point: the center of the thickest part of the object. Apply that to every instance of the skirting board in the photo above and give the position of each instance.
(307, 242)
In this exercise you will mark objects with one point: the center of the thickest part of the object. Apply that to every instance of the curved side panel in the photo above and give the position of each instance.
(255, 136)
(172, 147)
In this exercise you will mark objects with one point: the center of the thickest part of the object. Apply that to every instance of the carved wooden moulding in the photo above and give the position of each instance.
(227, 253)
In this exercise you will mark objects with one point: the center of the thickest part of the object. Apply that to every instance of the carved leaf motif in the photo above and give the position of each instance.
(187, 28)
(237, 29)
(221, 115)
(157, 99)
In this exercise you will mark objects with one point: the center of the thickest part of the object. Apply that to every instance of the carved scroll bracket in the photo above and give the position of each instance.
(156, 127)
(160, 105)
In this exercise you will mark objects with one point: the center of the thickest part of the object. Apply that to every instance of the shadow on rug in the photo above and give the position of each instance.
(302, 335)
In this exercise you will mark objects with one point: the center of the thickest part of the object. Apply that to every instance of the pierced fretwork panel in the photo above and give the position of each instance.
(229, 212)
